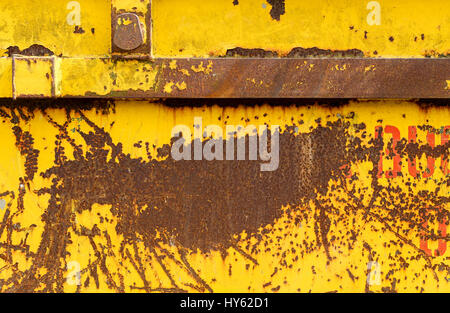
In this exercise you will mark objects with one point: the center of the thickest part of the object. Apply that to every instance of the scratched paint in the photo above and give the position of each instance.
(94, 202)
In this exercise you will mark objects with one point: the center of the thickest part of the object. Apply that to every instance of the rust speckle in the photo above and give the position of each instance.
(79, 30)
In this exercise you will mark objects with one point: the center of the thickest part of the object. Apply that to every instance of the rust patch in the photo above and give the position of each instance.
(33, 50)
(252, 53)
(278, 8)
(321, 53)
(79, 30)
(297, 52)
(24, 142)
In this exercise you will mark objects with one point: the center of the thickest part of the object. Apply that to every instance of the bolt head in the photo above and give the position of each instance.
(128, 33)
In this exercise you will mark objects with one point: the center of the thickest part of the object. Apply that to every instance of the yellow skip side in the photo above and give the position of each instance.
(106, 263)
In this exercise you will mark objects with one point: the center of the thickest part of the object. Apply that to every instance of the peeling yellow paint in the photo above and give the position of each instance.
(173, 65)
(184, 72)
(181, 86)
(201, 68)
(257, 83)
(168, 87)
(341, 68)
(133, 75)
(104, 76)
(369, 68)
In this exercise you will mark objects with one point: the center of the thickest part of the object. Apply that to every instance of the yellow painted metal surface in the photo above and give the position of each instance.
(51, 166)
(6, 78)
(386, 28)
(77, 35)
(69, 28)
(35, 76)
(105, 77)
(75, 76)
(198, 29)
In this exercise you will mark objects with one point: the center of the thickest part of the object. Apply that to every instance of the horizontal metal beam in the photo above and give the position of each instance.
(240, 78)
(310, 78)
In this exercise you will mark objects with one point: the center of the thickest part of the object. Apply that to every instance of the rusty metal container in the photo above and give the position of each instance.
(224, 146)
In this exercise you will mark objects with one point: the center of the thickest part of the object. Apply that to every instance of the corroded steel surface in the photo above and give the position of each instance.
(227, 78)
(92, 200)
(92, 197)
(306, 78)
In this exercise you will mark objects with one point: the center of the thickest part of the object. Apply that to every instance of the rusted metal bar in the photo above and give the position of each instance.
(298, 78)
